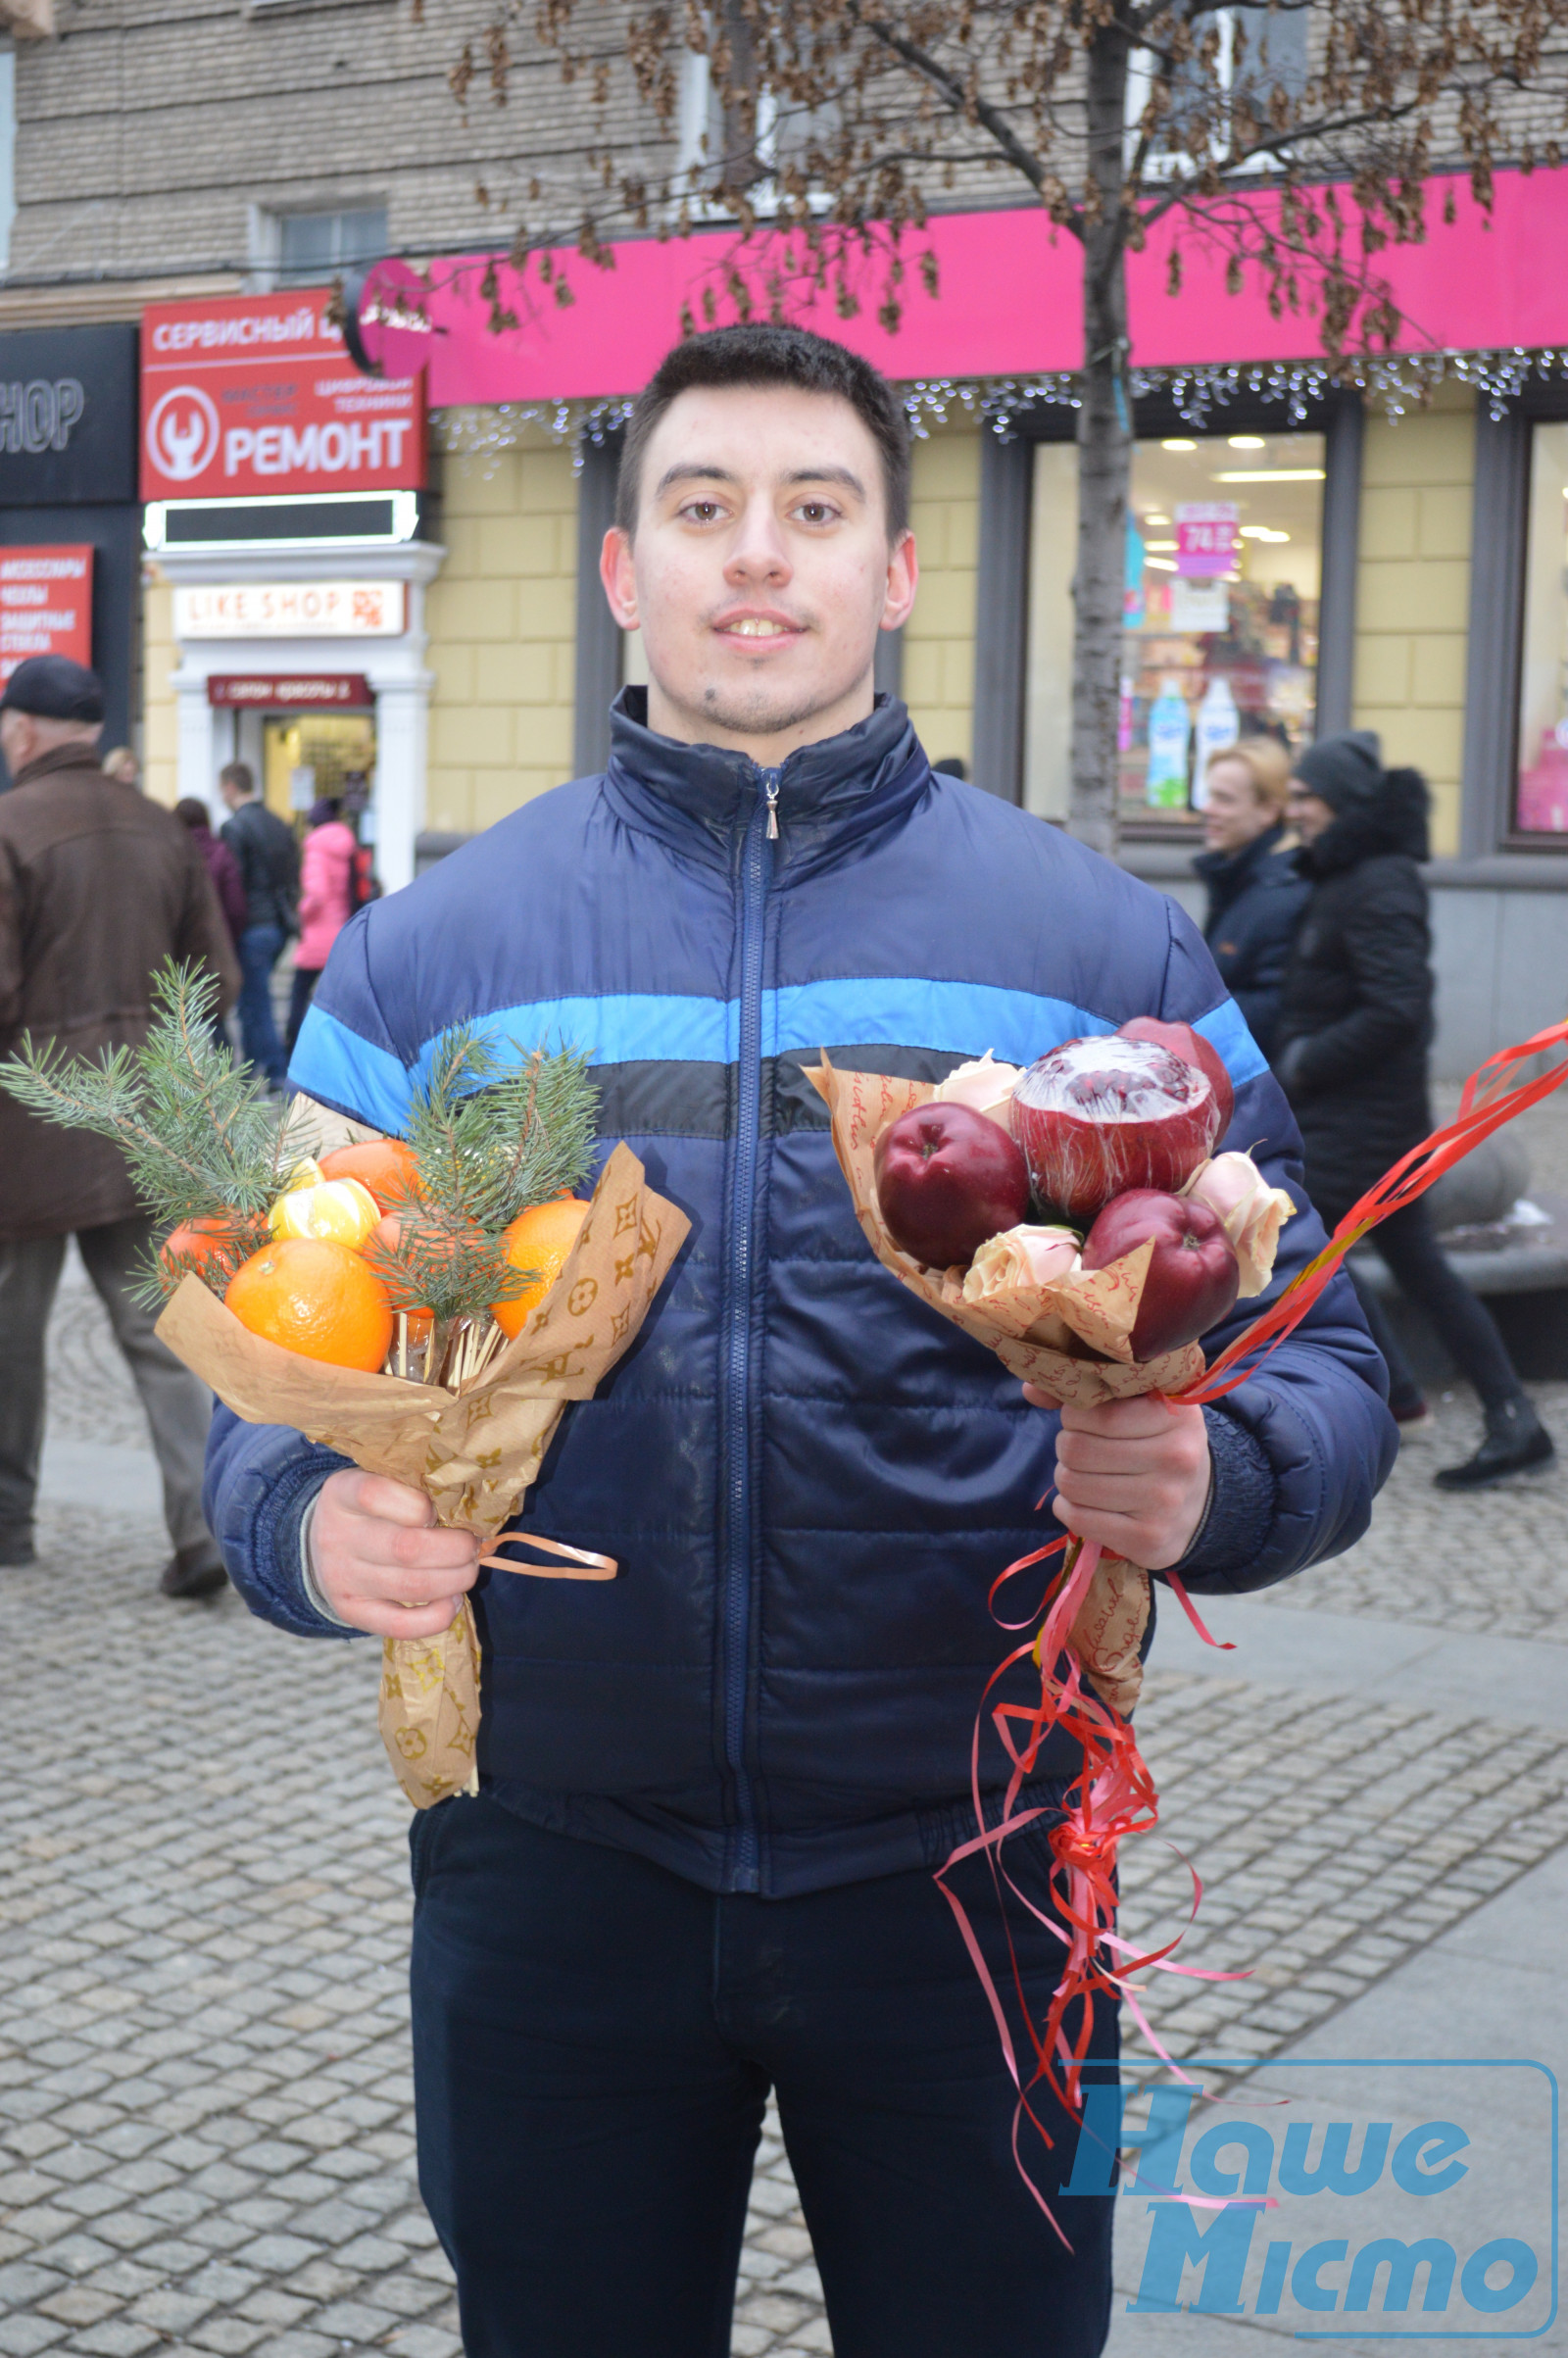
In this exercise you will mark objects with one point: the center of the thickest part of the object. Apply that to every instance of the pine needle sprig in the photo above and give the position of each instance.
(492, 1136)
(201, 1136)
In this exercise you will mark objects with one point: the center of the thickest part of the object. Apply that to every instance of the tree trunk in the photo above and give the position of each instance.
(1105, 459)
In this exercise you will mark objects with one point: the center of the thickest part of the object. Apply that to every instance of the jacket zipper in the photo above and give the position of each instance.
(755, 863)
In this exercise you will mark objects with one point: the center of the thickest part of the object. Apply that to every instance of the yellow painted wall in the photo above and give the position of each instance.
(939, 636)
(502, 623)
(159, 656)
(1413, 591)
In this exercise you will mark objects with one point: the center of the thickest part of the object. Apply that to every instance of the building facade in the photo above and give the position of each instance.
(412, 617)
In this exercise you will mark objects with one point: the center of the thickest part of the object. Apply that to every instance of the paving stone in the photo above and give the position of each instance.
(203, 2013)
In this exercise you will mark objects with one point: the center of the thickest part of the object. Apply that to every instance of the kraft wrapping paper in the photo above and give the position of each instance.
(1100, 1306)
(473, 1452)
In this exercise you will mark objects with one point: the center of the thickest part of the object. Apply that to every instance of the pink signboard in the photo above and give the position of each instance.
(1207, 538)
(1008, 301)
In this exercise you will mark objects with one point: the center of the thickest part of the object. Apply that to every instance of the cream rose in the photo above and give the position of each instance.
(983, 1083)
(1023, 1262)
(1251, 1212)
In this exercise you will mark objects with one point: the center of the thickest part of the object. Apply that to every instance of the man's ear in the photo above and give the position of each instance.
(618, 575)
(904, 579)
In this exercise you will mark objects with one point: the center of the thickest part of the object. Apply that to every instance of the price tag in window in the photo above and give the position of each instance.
(1206, 536)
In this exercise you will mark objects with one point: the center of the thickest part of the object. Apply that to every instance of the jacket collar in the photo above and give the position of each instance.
(64, 756)
(701, 798)
(1232, 870)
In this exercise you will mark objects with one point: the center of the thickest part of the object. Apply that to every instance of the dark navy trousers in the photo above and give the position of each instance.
(594, 2038)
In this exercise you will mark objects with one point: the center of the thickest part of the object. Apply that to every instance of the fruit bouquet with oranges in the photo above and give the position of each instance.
(428, 1305)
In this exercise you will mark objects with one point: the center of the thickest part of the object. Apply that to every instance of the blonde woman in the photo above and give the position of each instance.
(1256, 897)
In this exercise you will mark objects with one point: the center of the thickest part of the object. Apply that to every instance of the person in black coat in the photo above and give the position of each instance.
(1350, 1053)
(1255, 896)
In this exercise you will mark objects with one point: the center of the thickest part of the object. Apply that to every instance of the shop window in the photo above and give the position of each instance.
(1540, 784)
(1220, 638)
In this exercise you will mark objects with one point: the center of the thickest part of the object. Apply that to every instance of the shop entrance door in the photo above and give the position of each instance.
(309, 757)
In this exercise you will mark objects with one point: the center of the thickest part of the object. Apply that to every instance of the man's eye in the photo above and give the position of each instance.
(815, 511)
(700, 512)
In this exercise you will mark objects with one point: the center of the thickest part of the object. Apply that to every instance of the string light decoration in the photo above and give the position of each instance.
(1396, 382)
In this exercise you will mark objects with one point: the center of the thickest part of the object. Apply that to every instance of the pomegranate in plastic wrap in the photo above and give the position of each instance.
(1193, 1049)
(1095, 1118)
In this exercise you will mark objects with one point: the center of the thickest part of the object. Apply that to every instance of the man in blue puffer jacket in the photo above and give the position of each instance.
(713, 1791)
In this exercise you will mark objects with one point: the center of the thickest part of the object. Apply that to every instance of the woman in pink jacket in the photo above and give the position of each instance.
(326, 904)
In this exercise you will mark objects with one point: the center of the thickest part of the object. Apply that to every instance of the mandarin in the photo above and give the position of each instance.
(539, 1241)
(385, 1165)
(316, 1297)
(200, 1244)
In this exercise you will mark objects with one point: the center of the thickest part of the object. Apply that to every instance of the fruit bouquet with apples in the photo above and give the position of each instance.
(1074, 1218)
(426, 1306)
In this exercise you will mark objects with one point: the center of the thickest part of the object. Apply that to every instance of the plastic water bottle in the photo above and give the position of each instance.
(1170, 731)
(1217, 724)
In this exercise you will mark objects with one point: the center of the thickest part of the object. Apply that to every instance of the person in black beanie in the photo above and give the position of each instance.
(1350, 1054)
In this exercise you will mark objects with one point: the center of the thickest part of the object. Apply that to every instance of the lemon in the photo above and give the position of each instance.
(332, 1211)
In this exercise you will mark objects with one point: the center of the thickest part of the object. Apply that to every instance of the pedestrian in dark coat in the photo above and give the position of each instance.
(269, 869)
(98, 888)
(1350, 1053)
(1255, 894)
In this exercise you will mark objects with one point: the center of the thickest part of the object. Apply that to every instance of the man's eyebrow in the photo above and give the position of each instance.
(694, 471)
(828, 475)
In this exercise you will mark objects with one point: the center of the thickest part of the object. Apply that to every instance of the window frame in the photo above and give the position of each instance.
(1494, 643)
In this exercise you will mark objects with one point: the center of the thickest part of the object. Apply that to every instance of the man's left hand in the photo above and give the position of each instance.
(1133, 1475)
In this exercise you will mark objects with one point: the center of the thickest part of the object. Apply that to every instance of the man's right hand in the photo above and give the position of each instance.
(381, 1564)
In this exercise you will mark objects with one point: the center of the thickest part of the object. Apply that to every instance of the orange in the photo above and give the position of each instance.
(539, 1240)
(316, 1297)
(385, 1165)
(201, 1243)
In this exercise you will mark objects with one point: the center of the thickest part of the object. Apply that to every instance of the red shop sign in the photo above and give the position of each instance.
(255, 395)
(289, 692)
(45, 605)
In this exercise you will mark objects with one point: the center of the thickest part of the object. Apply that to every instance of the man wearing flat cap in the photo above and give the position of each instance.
(98, 886)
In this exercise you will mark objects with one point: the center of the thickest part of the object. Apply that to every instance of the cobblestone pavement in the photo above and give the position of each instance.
(205, 2115)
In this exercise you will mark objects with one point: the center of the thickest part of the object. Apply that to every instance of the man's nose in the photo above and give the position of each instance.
(758, 552)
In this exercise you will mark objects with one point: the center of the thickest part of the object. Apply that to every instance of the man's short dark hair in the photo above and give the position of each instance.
(239, 775)
(764, 355)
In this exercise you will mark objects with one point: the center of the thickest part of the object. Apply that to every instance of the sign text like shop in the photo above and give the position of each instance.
(45, 605)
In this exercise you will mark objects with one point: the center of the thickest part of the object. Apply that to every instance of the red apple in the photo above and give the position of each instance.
(1095, 1118)
(948, 1178)
(1193, 1049)
(1194, 1276)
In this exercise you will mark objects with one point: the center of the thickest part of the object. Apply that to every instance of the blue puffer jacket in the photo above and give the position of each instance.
(809, 1480)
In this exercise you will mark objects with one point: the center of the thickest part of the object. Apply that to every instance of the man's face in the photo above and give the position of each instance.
(760, 572)
(1234, 813)
(231, 793)
(1309, 814)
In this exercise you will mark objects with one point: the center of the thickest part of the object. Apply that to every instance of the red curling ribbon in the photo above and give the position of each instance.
(1115, 1795)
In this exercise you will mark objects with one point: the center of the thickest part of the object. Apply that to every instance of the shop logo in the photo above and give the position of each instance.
(38, 417)
(182, 433)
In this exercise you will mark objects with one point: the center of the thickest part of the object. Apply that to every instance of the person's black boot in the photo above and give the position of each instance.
(1517, 1439)
(196, 1571)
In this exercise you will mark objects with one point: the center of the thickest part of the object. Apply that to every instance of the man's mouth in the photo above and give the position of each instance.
(757, 627)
